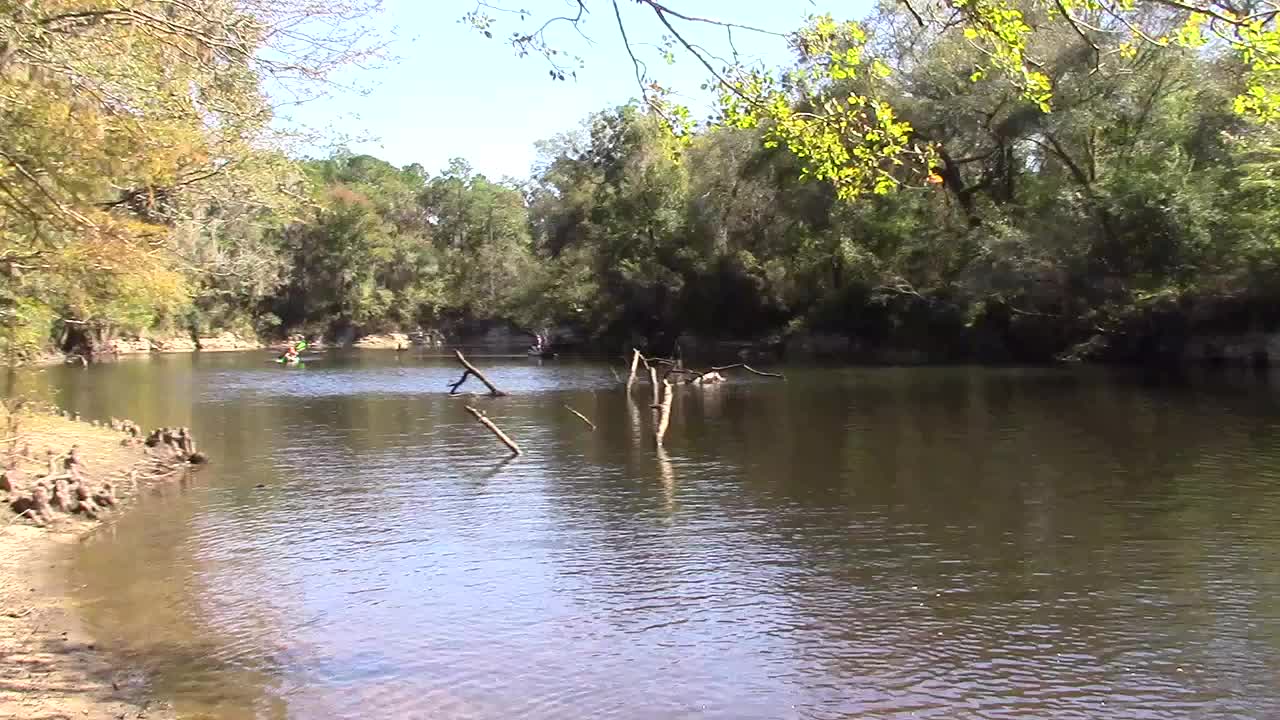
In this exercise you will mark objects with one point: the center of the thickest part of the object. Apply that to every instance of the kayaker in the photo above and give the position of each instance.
(291, 354)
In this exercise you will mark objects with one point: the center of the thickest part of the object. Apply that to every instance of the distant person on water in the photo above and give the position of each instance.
(291, 354)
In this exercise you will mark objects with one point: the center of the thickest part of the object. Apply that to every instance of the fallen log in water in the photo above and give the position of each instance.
(470, 370)
(497, 432)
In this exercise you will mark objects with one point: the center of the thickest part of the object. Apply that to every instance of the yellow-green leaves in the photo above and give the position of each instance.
(1191, 34)
(1258, 44)
(124, 121)
(1259, 102)
(826, 112)
(999, 31)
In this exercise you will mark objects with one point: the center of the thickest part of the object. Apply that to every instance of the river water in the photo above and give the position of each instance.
(849, 543)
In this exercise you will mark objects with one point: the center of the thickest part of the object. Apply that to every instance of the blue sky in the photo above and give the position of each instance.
(453, 93)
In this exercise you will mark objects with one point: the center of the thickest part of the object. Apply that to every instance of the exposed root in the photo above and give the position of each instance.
(61, 483)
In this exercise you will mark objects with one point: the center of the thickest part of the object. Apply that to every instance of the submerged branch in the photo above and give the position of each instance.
(497, 432)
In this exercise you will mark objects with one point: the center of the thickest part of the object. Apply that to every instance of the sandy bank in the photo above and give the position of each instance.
(49, 667)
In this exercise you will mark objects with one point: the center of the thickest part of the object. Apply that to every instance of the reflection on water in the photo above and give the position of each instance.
(871, 543)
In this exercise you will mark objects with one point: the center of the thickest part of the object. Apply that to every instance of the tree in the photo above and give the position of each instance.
(364, 257)
(613, 198)
(482, 232)
(121, 120)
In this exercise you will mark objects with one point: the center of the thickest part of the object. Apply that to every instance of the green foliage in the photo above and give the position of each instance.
(1012, 175)
(481, 231)
(137, 149)
(386, 247)
(828, 112)
(831, 113)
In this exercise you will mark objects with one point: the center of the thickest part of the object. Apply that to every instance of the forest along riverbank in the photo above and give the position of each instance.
(63, 480)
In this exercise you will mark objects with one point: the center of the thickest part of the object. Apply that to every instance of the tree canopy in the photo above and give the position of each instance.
(960, 181)
(835, 109)
(134, 133)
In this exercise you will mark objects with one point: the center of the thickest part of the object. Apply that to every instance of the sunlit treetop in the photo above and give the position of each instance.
(122, 121)
(832, 109)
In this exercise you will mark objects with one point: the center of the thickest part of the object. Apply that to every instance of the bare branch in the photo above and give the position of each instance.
(640, 67)
(661, 12)
(661, 9)
(914, 13)
(1097, 53)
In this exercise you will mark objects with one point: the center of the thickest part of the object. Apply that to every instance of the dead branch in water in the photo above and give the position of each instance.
(657, 389)
(470, 370)
(581, 417)
(497, 432)
(749, 369)
(676, 367)
(664, 413)
(636, 357)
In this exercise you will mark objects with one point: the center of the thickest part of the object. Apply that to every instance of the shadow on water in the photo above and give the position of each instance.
(850, 542)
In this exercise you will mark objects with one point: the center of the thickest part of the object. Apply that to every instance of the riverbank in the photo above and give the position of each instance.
(49, 666)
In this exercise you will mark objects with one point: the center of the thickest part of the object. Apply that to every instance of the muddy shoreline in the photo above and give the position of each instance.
(50, 668)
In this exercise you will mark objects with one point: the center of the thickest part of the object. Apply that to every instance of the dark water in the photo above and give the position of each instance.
(850, 543)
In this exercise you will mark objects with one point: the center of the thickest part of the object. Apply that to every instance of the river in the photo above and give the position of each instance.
(847, 543)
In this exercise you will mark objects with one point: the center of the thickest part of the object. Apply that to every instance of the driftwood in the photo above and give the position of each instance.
(470, 370)
(581, 417)
(497, 432)
(657, 389)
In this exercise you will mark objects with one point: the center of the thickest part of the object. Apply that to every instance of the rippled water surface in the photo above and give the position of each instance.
(849, 543)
